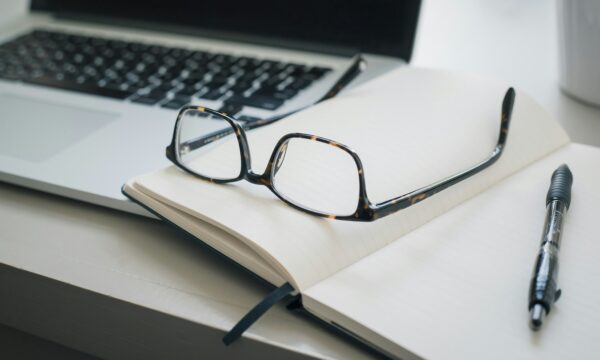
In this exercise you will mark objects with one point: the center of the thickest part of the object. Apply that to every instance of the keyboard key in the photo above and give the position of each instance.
(231, 109)
(240, 87)
(165, 87)
(299, 84)
(257, 101)
(146, 100)
(176, 103)
(213, 95)
(284, 94)
(318, 72)
(83, 88)
(273, 81)
(188, 91)
(246, 118)
(215, 84)
(296, 70)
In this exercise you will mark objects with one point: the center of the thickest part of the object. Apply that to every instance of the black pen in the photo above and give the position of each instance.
(543, 291)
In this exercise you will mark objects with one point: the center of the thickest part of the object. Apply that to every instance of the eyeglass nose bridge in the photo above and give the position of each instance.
(258, 179)
(274, 164)
(272, 168)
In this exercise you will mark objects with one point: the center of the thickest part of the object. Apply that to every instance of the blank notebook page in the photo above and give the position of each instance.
(457, 288)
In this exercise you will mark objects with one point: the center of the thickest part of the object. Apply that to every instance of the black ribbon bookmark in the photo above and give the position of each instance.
(250, 318)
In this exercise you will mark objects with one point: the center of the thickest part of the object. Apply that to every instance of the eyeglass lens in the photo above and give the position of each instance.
(219, 158)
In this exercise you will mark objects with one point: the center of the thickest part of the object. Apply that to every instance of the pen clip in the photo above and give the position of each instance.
(557, 295)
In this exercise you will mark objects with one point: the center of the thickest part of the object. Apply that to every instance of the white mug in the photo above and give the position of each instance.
(579, 49)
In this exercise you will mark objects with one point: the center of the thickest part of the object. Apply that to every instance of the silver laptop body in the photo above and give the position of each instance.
(85, 146)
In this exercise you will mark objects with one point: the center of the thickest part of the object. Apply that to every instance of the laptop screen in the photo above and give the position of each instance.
(385, 27)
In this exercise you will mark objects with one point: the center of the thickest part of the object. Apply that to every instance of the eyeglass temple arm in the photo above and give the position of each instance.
(358, 65)
(390, 206)
(207, 139)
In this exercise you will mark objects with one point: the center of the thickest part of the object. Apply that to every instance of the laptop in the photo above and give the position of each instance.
(89, 90)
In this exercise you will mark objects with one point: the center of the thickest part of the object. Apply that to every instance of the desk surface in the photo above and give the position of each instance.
(69, 265)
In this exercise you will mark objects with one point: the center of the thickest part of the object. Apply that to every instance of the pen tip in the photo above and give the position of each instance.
(537, 317)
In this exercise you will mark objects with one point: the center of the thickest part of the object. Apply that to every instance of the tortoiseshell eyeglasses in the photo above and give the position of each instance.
(311, 173)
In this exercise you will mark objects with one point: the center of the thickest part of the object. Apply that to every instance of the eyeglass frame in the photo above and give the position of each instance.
(366, 210)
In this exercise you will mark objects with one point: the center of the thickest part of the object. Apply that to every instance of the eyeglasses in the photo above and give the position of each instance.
(311, 173)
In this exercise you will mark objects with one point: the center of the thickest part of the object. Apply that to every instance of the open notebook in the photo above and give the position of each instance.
(445, 278)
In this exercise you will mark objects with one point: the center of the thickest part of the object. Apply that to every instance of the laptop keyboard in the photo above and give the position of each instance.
(152, 74)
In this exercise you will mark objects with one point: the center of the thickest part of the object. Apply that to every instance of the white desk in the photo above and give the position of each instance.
(113, 284)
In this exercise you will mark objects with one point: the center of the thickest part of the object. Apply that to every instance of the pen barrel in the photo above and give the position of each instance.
(555, 215)
(543, 288)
